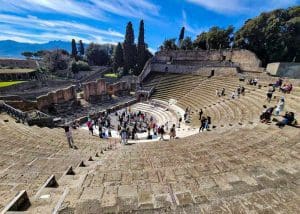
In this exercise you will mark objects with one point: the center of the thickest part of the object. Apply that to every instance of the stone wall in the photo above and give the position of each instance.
(18, 76)
(199, 70)
(95, 91)
(18, 63)
(245, 59)
(99, 90)
(284, 69)
(119, 88)
(56, 97)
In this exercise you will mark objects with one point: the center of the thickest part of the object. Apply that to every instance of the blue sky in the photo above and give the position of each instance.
(104, 21)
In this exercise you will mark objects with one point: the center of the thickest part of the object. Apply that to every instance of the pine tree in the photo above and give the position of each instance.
(81, 48)
(181, 36)
(74, 49)
(129, 49)
(118, 57)
(141, 50)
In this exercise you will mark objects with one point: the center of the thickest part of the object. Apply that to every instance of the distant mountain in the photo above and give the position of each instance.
(13, 49)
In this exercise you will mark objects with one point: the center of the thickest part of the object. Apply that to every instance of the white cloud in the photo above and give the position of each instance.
(129, 8)
(152, 50)
(232, 7)
(68, 7)
(92, 9)
(40, 30)
(194, 30)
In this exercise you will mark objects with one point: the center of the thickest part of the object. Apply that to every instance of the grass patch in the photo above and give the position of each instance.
(9, 83)
(111, 75)
(15, 70)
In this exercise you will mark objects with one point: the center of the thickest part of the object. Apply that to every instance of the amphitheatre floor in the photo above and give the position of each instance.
(162, 112)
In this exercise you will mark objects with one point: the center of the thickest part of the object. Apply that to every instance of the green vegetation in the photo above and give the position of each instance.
(97, 55)
(272, 36)
(9, 83)
(79, 66)
(15, 70)
(111, 75)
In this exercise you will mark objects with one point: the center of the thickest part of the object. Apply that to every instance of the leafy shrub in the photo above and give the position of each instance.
(79, 66)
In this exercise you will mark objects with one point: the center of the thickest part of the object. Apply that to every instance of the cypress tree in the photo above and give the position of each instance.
(181, 36)
(118, 57)
(129, 49)
(74, 49)
(81, 48)
(141, 49)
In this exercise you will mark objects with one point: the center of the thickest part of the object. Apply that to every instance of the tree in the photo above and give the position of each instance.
(169, 44)
(201, 41)
(187, 44)
(129, 49)
(56, 60)
(181, 37)
(74, 49)
(97, 54)
(118, 60)
(215, 38)
(272, 36)
(141, 50)
(81, 48)
(27, 54)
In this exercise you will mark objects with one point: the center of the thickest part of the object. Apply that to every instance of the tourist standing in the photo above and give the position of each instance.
(280, 106)
(69, 136)
(173, 132)
(200, 114)
(162, 132)
(269, 95)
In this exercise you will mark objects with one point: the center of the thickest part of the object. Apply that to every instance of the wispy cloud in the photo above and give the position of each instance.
(194, 30)
(40, 30)
(92, 9)
(129, 8)
(233, 7)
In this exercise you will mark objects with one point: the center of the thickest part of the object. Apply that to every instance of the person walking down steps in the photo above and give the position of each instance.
(69, 136)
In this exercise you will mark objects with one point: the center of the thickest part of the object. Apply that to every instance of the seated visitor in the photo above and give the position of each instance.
(255, 81)
(265, 117)
(288, 119)
(287, 88)
(278, 83)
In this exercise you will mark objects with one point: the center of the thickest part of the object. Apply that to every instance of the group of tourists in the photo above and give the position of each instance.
(205, 121)
(220, 93)
(289, 117)
(252, 81)
(240, 90)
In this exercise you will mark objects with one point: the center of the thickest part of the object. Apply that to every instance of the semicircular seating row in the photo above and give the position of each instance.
(200, 93)
(29, 155)
(201, 173)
